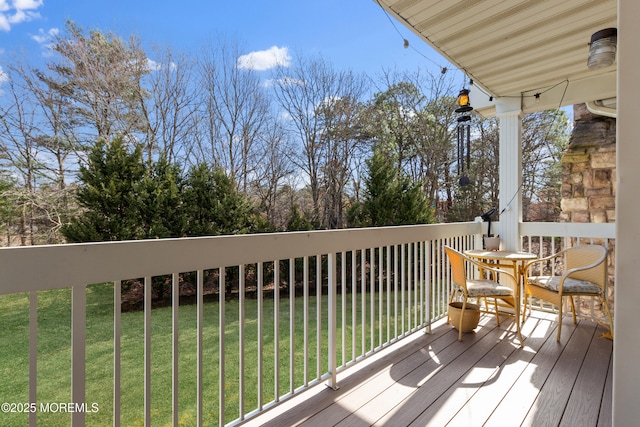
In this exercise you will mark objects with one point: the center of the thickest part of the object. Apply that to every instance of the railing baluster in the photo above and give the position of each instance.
(221, 348)
(421, 260)
(33, 354)
(343, 288)
(417, 292)
(372, 296)
(395, 291)
(409, 286)
(241, 338)
(147, 351)
(403, 283)
(117, 338)
(318, 316)
(354, 295)
(380, 296)
(292, 325)
(388, 274)
(260, 336)
(331, 324)
(276, 330)
(363, 288)
(199, 347)
(78, 351)
(175, 344)
(305, 279)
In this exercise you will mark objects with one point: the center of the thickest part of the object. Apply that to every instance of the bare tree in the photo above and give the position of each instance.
(315, 99)
(170, 108)
(272, 168)
(35, 158)
(236, 108)
(342, 138)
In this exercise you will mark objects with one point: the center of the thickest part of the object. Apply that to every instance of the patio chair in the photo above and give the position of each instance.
(478, 288)
(585, 274)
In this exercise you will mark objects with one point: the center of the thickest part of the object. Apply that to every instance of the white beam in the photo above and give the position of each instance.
(590, 88)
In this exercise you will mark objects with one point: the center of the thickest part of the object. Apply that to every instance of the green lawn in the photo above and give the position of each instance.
(54, 358)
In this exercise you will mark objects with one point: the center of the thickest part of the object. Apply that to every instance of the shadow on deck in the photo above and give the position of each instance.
(487, 379)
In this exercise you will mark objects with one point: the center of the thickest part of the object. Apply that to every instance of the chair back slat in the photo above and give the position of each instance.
(588, 254)
(458, 273)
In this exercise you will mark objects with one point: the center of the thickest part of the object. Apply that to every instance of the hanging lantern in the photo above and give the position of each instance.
(463, 102)
(464, 137)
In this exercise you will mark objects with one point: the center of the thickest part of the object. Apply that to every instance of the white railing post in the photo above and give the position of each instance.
(332, 324)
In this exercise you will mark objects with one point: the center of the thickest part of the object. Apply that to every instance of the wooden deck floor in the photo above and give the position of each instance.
(485, 380)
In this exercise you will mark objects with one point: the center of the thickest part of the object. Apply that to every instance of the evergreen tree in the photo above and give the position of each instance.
(213, 205)
(161, 209)
(390, 198)
(109, 194)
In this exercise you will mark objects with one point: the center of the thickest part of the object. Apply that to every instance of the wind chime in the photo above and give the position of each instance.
(464, 136)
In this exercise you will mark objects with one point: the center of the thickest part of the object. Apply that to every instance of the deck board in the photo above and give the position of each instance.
(432, 379)
(486, 396)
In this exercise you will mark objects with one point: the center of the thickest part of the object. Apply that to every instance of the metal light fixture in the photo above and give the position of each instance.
(463, 102)
(602, 49)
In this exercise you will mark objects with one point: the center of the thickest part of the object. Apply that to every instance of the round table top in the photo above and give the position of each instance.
(501, 255)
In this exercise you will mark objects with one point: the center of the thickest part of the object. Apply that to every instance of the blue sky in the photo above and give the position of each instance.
(351, 34)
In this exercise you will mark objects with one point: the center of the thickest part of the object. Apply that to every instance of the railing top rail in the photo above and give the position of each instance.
(572, 229)
(55, 266)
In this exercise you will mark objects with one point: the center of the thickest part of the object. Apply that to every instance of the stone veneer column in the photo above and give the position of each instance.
(589, 169)
(589, 176)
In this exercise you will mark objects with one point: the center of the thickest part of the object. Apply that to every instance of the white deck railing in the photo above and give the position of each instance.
(389, 286)
(354, 292)
(544, 239)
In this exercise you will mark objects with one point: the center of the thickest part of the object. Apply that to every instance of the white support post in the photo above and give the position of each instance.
(626, 345)
(510, 210)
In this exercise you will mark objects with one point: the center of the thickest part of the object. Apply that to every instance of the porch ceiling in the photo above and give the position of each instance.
(515, 49)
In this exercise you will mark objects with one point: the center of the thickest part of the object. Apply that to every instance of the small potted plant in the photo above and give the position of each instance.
(491, 243)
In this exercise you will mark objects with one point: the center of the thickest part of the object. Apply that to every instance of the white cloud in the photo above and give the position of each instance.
(265, 59)
(3, 76)
(27, 4)
(286, 81)
(17, 12)
(153, 65)
(45, 38)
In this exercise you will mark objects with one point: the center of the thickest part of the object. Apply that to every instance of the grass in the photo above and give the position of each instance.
(54, 356)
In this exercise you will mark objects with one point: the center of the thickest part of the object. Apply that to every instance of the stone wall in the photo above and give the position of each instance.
(589, 169)
(589, 178)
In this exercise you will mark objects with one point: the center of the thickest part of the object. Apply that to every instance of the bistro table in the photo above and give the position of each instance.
(509, 259)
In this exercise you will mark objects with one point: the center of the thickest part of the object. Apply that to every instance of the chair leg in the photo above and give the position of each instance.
(464, 306)
(495, 302)
(559, 320)
(573, 310)
(606, 309)
(450, 301)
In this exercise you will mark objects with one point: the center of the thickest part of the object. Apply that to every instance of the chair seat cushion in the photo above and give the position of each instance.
(487, 288)
(571, 285)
